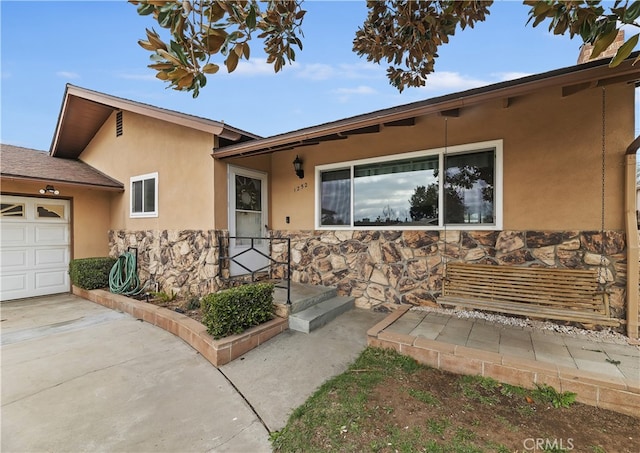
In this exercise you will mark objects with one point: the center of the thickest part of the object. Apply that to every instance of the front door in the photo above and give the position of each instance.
(247, 219)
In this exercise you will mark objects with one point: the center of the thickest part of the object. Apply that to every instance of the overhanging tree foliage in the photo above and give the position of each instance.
(404, 34)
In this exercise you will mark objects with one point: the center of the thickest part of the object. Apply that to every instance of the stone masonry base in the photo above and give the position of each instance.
(218, 352)
(591, 388)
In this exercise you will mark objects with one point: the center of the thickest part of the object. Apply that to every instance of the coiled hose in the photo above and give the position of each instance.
(123, 277)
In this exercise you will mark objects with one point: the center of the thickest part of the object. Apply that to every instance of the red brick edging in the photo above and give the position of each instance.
(606, 392)
(218, 352)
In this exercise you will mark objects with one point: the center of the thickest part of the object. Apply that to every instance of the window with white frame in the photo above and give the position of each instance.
(144, 195)
(407, 190)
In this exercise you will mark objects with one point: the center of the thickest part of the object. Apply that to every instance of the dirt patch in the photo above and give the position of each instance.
(389, 403)
(438, 405)
(182, 305)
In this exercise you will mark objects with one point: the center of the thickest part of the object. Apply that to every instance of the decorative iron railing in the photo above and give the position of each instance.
(272, 270)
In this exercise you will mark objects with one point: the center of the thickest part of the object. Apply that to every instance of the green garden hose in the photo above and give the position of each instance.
(123, 277)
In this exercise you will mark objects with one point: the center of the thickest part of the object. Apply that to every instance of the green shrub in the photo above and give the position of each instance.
(234, 310)
(91, 273)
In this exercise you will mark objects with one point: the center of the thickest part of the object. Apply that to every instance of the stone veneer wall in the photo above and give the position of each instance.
(185, 261)
(406, 267)
(375, 266)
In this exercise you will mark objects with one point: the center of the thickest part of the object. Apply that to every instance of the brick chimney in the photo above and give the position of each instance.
(585, 49)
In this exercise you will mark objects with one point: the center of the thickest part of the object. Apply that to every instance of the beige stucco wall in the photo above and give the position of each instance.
(552, 158)
(90, 215)
(182, 159)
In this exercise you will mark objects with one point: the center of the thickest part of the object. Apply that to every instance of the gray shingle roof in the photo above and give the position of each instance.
(30, 164)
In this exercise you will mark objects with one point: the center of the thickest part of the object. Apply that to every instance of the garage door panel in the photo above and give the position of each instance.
(13, 259)
(51, 234)
(51, 257)
(13, 234)
(52, 279)
(13, 284)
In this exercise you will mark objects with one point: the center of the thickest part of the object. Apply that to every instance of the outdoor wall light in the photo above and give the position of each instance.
(297, 166)
(49, 190)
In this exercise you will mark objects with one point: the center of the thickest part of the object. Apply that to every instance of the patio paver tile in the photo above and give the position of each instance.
(484, 333)
(427, 330)
(517, 352)
(588, 352)
(599, 367)
(437, 318)
(632, 374)
(406, 323)
(490, 346)
(622, 350)
(625, 361)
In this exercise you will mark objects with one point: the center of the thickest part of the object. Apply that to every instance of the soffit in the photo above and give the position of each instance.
(83, 113)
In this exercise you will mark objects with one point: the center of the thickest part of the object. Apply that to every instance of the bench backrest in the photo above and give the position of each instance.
(561, 288)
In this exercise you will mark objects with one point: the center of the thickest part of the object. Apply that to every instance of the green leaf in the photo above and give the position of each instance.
(624, 51)
(202, 80)
(251, 17)
(164, 19)
(632, 12)
(145, 9)
(603, 41)
(177, 50)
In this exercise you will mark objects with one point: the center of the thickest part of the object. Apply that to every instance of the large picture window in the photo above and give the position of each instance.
(144, 195)
(429, 189)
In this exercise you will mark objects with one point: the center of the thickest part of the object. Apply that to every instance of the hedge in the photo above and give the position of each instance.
(91, 273)
(232, 311)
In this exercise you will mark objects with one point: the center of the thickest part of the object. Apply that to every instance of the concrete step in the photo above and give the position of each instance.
(319, 314)
(303, 296)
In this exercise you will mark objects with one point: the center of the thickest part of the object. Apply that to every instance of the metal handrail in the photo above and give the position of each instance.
(222, 259)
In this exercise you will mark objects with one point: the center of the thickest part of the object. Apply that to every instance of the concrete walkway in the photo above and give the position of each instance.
(77, 376)
(284, 372)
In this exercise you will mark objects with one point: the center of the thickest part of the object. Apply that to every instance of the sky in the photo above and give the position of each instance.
(48, 44)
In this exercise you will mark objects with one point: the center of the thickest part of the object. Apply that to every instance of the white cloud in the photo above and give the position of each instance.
(450, 82)
(345, 94)
(149, 76)
(361, 70)
(253, 67)
(68, 75)
(316, 71)
(323, 71)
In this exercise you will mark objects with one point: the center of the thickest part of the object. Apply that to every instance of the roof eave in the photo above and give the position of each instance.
(110, 188)
(115, 103)
(589, 73)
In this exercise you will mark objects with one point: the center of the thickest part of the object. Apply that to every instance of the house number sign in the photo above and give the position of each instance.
(300, 187)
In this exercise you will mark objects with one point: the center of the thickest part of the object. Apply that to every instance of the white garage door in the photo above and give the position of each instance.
(34, 247)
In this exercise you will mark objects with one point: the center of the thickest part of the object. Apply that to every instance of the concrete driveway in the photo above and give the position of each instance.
(80, 377)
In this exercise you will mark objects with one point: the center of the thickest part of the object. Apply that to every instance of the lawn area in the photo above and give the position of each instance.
(386, 402)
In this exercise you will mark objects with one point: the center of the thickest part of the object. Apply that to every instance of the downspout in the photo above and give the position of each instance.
(633, 254)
